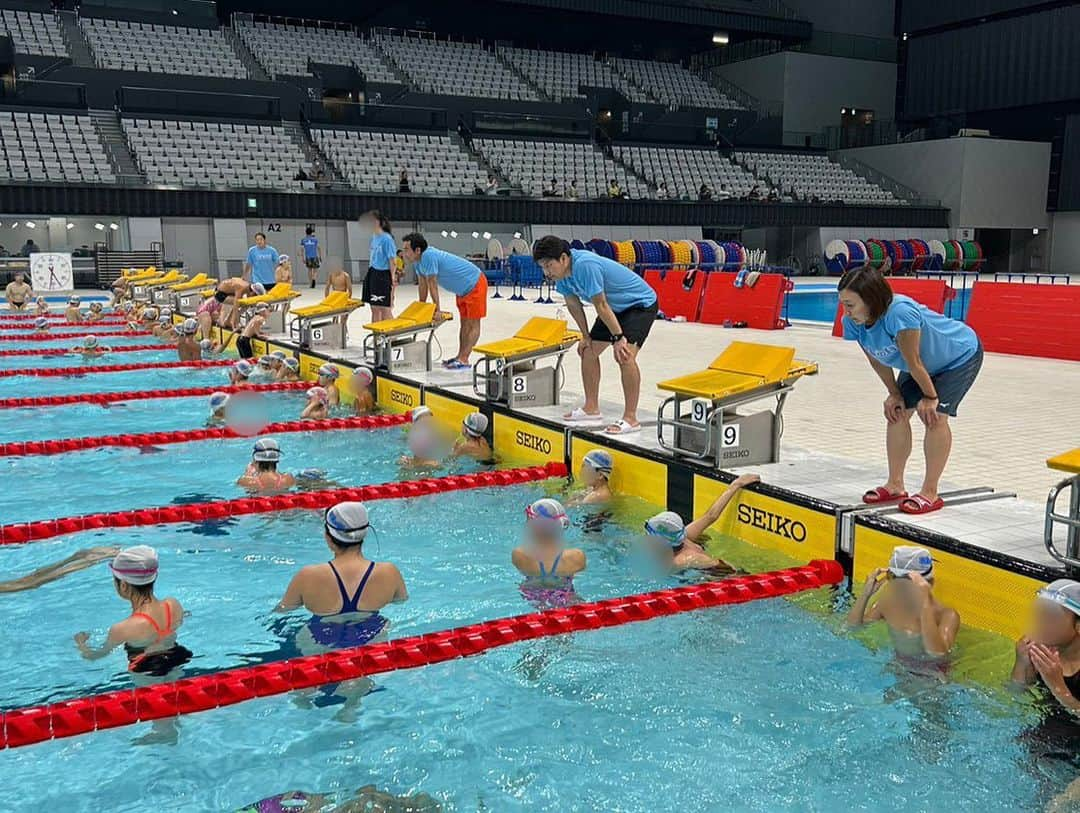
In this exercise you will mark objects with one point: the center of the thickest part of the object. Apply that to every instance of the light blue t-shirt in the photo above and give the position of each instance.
(591, 274)
(263, 261)
(457, 275)
(311, 246)
(382, 251)
(944, 343)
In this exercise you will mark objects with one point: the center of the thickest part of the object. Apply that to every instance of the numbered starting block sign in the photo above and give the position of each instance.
(322, 334)
(406, 356)
(188, 302)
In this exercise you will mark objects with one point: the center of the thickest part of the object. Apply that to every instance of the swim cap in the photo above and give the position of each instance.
(243, 368)
(127, 307)
(206, 345)
(41, 321)
(189, 327)
(906, 560)
(329, 371)
(284, 258)
(264, 361)
(292, 364)
(137, 565)
(669, 526)
(89, 341)
(165, 320)
(475, 424)
(599, 461)
(266, 451)
(259, 289)
(41, 301)
(320, 393)
(280, 355)
(74, 300)
(347, 522)
(218, 400)
(150, 313)
(1063, 592)
(547, 513)
(262, 307)
(421, 412)
(364, 373)
(164, 311)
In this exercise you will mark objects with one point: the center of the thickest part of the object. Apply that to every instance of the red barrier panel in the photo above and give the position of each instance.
(51, 447)
(1027, 319)
(64, 351)
(26, 726)
(48, 337)
(144, 395)
(20, 533)
(672, 298)
(760, 307)
(933, 293)
(61, 372)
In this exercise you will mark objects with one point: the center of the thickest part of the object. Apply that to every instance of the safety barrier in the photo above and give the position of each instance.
(20, 533)
(49, 337)
(145, 395)
(673, 296)
(65, 351)
(760, 306)
(933, 293)
(26, 726)
(1027, 319)
(21, 448)
(60, 372)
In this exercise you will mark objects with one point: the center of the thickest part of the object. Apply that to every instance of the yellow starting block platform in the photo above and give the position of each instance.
(702, 419)
(507, 371)
(398, 345)
(136, 274)
(156, 289)
(322, 324)
(1068, 462)
(278, 298)
(200, 280)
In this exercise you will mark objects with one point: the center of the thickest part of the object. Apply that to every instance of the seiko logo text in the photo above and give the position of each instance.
(772, 523)
(539, 444)
(399, 397)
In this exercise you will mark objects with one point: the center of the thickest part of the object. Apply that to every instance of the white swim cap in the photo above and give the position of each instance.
(320, 393)
(475, 424)
(40, 322)
(547, 513)
(282, 259)
(599, 461)
(347, 522)
(165, 320)
(906, 560)
(1063, 592)
(166, 312)
(264, 361)
(137, 565)
(262, 307)
(218, 400)
(41, 301)
(89, 341)
(292, 364)
(74, 300)
(364, 373)
(243, 368)
(189, 327)
(266, 451)
(206, 345)
(668, 526)
(329, 371)
(280, 355)
(421, 412)
(258, 288)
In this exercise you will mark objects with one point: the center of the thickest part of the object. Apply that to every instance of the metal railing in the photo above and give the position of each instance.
(892, 185)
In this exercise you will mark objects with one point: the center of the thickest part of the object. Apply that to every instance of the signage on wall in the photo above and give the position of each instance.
(51, 272)
(273, 227)
(965, 234)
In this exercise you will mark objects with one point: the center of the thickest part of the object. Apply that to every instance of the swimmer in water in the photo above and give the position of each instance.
(187, 349)
(328, 377)
(548, 566)
(264, 370)
(97, 312)
(72, 313)
(166, 330)
(919, 624)
(423, 440)
(290, 370)
(149, 633)
(80, 560)
(1050, 654)
(684, 541)
(208, 349)
(240, 374)
(472, 442)
(41, 306)
(218, 402)
(596, 468)
(252, 330)
(262, 474)
(90, 348)
(276, 359)
(41, 325)
(317, 408)
(362, 379)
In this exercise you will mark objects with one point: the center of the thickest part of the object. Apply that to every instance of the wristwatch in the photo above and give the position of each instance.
(617, 337)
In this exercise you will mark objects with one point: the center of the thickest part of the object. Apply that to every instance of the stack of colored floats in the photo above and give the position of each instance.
(903, 256)
(680, 254)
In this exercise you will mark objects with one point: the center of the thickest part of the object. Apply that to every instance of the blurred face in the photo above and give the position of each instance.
(905, 590)
(1053, 625)
(854, 307)
(260, 241)
(590, 476)
(543, 534)
(409, 253)
(558, 268)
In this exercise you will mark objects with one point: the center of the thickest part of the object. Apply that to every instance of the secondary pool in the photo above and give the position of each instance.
(815, 302)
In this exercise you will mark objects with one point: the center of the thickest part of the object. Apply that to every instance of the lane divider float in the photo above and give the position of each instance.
(60, 372)
(33, 724)
(65, 351)
(145, 395)
(23, 532)
(48, 337)
(58, 320)
(21, 448)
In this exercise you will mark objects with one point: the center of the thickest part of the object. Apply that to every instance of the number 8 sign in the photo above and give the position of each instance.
(519, 385)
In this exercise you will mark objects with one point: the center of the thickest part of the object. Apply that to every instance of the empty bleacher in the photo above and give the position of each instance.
(33, 33)
(673, 84)
(122, 45)
(684, 170)
(532, 164)
(454, 68)
(814, 176)
(197, 153)
(560, 74)
(52, 147)
(284, 50)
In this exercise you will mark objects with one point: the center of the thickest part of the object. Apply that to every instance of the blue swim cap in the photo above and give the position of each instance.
(218, 400)
(547, 513)
(266, 451)
(599, 461)
(243, 368)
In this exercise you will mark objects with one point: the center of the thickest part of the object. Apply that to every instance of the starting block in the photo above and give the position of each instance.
(278, 297)
(703, 420)
(1067, 462)
(395, 345)
(507, 371)
(155, 289)
(185, 295)
(320, 325)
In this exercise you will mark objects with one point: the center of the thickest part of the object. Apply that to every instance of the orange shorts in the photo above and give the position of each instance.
(474, 304)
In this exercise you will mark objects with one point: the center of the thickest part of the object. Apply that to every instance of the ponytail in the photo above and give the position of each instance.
(381, 219)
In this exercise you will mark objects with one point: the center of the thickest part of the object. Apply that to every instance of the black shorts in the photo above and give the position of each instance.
(377, 288)
(635, 323)
(18, 306)
(311, 262)
(951, 385)
(243, 347)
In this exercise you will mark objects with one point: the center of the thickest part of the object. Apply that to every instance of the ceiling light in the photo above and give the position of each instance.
(475, 234)
(487, 235)
(30, 224)
(517, 235)
(70, 225)
(114, 227)
(1035, 231)
(99, 226)
(445, 232)
(453, 234)
(720, 38)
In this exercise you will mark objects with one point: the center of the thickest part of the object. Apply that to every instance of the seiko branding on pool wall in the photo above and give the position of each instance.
(773, 523)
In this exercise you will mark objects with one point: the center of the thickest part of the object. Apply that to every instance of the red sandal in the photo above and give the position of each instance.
(920, 505)
(882, 495)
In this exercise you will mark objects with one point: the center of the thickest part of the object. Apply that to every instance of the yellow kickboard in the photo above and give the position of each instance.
(1069, 461)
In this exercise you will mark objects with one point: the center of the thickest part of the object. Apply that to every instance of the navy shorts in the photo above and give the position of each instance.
(951, 386)
(635, 323)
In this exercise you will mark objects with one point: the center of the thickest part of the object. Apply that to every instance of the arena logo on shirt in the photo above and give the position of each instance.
(781, 526)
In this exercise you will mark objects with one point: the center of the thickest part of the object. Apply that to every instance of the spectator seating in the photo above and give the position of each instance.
(372, 161)
(814, 175)
(684, 170)
(283, 50)
(532, 164)
(454, 68)
(33, 32)
(561, 74)
(198, 153)
(52, 147)
(673, 84)
(122, 45)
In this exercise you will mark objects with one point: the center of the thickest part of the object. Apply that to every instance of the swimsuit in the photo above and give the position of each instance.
(157, 664)
(548, 589)
(350, 632)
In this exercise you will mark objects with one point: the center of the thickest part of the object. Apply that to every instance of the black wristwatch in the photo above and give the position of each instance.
(616, 338)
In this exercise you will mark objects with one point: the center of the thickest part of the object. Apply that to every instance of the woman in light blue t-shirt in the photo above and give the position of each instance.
(938, 359)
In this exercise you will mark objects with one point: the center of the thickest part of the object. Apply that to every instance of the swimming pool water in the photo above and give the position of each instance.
(160, 379)
(77, 360)
(818, 303)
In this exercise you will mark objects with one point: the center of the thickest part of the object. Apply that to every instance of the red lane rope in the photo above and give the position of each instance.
(48, 337)
(33, 724)
(59, 372)
(143, 395)
(21, 533)
(64, 351)
(11, 323)
(51, 447)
